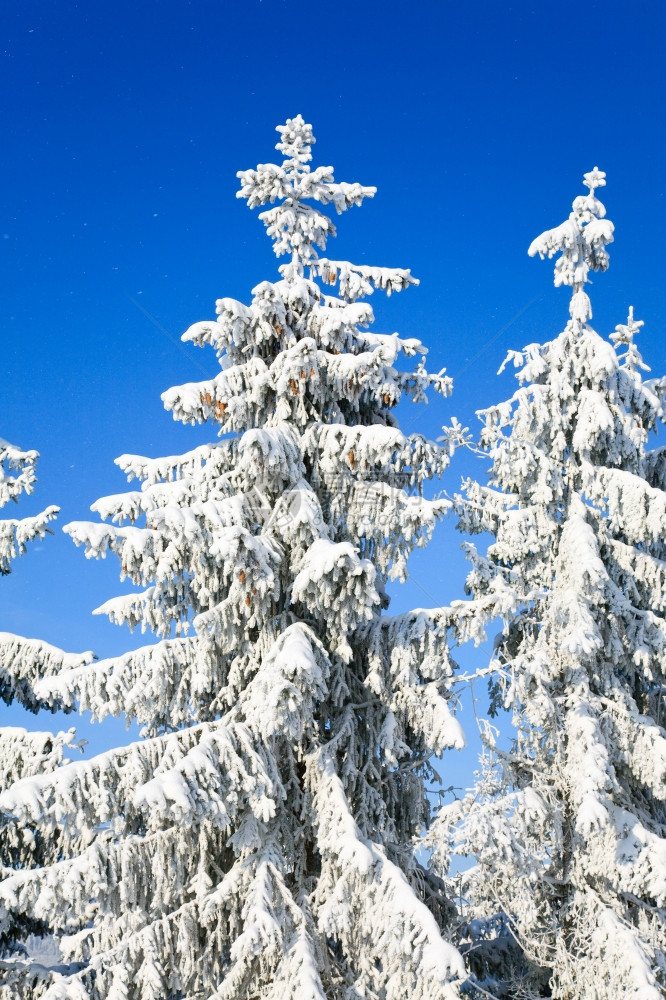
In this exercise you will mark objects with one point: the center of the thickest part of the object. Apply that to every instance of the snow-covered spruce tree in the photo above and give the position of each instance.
(258, 841)
(568, 827)
(24, 661)
(17, 476)
(24, 753)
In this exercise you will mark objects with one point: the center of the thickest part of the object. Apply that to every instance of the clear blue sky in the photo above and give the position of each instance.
(123, 125)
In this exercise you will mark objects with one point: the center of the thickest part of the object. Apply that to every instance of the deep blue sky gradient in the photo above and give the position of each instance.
(122, 128)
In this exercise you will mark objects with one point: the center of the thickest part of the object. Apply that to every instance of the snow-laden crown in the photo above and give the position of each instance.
(298, 228)
(582, 240)
(295, 227)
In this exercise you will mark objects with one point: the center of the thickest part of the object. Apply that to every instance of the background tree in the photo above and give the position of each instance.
(259, 841)
(24, 753)
(23, 661)
(569, 825)
(17, 476)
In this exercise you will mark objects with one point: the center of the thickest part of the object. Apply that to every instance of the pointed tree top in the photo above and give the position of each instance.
(296, 143)
(582, 241)
(295, 225)
(594, 179)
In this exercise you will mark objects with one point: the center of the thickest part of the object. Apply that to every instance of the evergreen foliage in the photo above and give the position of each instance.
(24, 753)
(17, 476)
(258, 841)
(568, 826)
(24, 661)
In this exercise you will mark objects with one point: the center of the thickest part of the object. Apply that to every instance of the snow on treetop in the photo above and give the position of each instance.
(296, 140)
(295, 227)
(594, 179)
(582, 240)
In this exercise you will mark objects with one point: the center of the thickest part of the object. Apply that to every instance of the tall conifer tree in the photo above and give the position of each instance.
(569, 826)
(258, 842)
